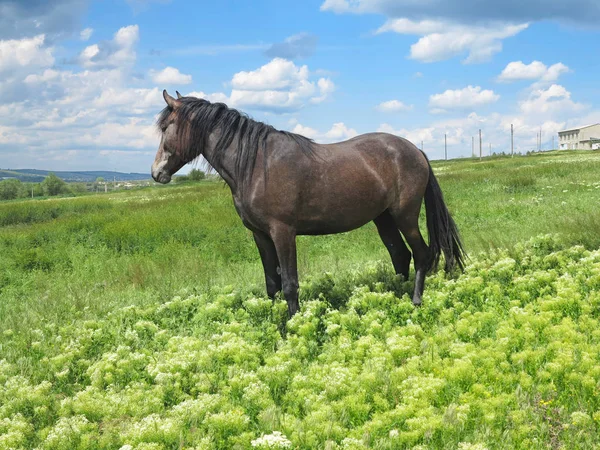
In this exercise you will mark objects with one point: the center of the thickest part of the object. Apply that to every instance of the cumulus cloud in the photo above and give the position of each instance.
(536, 70)
(299, 45)
(326, 88)
(216, 97)
(280, 86)
(468, 97)
(114, 53)
(393, 106)
(277, 74)
(170, 75)
(27, 52)
(338, 132)
(555, 99)
(443, 40)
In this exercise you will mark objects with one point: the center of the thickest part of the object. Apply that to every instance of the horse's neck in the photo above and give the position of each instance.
(226, 167)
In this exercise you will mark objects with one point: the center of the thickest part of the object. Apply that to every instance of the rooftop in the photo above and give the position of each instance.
(579, 128)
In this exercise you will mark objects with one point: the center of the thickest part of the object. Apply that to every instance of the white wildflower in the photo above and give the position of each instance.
(273, 440)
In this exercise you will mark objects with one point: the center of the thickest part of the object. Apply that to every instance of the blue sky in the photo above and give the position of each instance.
(81, 81)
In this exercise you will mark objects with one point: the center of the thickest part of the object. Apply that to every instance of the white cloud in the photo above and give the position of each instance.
(170, 75)
(279, 85)
(117, 52)
(393, 106)
(469, 97)
(16, 54)
(553, 100)
(536, 70)
(326, 88)
(443, 40)
(214, 97)
(279, 73)
(86, 34)
(136, 101)
(338, 132)
(550, 109)
(47, 75)
(416, 136)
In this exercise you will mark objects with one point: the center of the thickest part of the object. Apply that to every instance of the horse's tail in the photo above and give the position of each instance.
(443, 234)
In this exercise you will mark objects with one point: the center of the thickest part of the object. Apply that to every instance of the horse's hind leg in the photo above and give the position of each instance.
(388, 231)
(407, 220)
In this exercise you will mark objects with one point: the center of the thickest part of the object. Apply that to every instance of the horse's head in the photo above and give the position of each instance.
(170, 157)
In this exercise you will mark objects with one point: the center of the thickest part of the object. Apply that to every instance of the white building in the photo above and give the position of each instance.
(582, 138)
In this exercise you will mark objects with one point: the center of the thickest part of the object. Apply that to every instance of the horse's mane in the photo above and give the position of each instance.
(197, 118)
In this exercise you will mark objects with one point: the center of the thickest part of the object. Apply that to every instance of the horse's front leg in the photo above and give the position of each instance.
(268, 256)
(284, 238)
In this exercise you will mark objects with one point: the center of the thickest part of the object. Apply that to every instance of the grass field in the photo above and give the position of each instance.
(138, 318)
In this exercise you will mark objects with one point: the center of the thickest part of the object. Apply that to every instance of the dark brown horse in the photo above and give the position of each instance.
(284, 185)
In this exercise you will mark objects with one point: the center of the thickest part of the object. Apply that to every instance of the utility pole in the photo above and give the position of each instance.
(490, 149)
(552, 142)
(512, 141)
(422, 146)
(445, 148)
(480, 144)
(540, 139)
(473, 146)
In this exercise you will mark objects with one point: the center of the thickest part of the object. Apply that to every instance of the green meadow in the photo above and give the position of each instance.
(138, 320)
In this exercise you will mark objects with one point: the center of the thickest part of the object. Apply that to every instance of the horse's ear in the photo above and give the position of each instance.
(170, 100)
(179, 96)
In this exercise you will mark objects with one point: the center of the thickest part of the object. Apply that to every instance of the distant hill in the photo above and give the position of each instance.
(35, 175)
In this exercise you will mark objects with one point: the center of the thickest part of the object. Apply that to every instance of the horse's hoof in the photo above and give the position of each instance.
(417, 303)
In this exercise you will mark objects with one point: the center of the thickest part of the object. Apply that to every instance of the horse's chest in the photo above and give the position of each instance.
(246, 215)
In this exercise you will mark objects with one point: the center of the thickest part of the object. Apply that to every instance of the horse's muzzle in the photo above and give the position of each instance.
(160, 176)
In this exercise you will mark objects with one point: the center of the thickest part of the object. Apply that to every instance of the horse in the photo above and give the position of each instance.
(284, 185)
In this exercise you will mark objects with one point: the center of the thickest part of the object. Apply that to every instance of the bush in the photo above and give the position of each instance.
(52, 185)
(10, 189)
(196, 175)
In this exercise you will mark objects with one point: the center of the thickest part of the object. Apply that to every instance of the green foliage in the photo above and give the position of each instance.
(77, 188)
(118, 330)
(53, 185)
(10, 189)
(505, 356)
(193, 175)
(196, 175)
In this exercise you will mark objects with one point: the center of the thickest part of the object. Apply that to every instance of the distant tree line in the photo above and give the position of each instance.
(52, 185)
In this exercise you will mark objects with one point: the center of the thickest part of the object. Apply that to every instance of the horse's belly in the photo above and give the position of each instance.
(338, 218)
